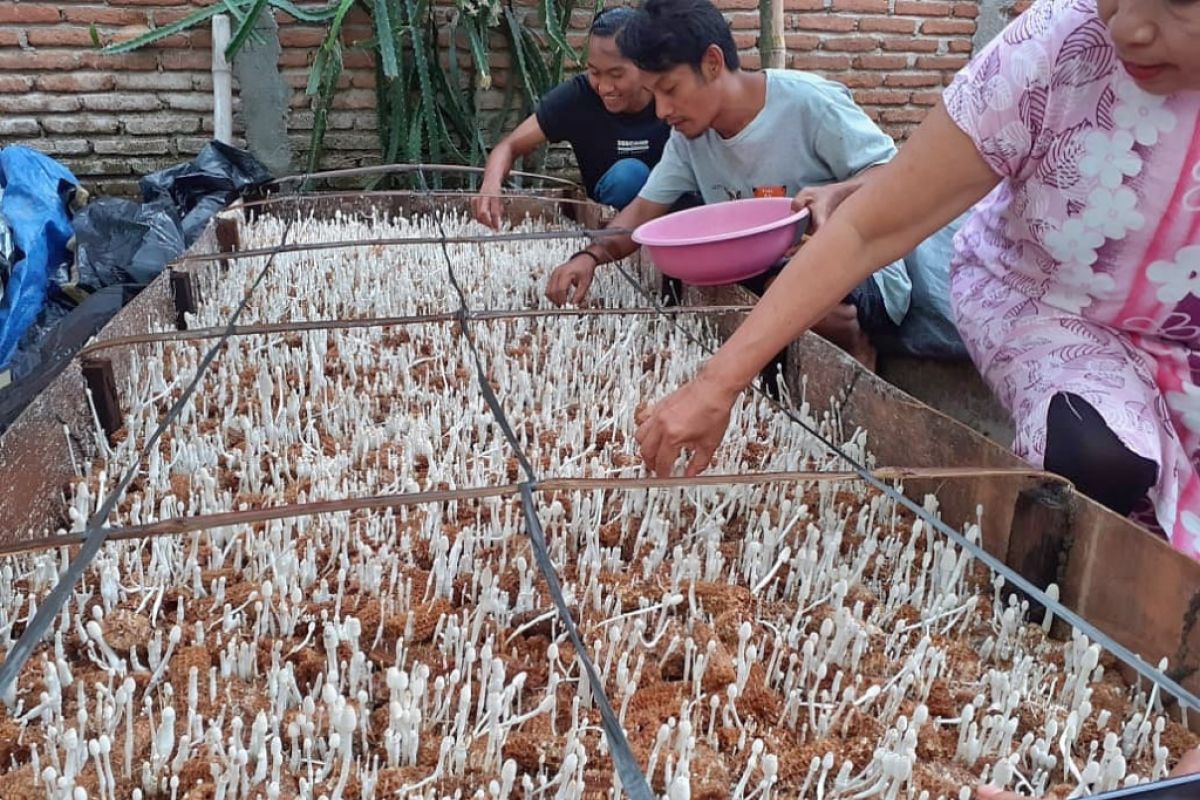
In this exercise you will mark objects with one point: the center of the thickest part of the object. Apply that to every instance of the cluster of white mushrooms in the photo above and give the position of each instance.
(771, 639)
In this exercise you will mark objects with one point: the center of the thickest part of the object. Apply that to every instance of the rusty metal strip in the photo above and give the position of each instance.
(577, 233)
(367, 194)
(202, 522)
(199, 334)
(199, 523)
(401, 169)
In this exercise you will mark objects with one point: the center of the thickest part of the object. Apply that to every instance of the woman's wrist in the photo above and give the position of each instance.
(722, 374)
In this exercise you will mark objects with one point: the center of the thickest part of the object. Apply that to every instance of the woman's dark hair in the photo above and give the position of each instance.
(610, 21)
(666, 33)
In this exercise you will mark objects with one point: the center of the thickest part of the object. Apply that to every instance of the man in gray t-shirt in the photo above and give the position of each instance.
(740, 134)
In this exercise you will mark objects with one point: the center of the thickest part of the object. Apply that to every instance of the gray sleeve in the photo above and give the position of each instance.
(847, 141)
(672, 176)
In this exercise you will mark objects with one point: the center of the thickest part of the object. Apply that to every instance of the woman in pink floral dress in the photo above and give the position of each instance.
(1076, 281)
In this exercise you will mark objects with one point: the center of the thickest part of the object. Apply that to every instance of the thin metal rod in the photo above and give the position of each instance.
(580, 233)
(199, 334)
(389, 169)
(368, 194)
(202, 522)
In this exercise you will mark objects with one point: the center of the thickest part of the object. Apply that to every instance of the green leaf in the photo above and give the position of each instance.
(480, 54)
(166, 30)
(245, 29)
(554, 28)
(386, 40)
(421, 59)
(517, 44)
(305, 14)
(94, 34)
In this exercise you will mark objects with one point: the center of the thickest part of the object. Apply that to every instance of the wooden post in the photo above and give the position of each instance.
(771, 45)
(229, 239)
(1039, 538)
(183, 288)
(102, 383)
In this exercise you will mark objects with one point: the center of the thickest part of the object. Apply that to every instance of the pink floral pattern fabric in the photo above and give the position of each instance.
(1081, 271)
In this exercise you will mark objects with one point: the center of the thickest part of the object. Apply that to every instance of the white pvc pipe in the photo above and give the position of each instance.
(222, 81)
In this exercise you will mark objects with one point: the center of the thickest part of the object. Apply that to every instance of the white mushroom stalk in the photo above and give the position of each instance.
(756, 641)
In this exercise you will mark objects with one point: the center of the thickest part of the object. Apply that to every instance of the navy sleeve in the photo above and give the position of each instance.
(556, 112)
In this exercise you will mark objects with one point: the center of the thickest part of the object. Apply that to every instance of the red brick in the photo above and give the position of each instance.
(887, 25)
(77, 82)
(908, 44)
(355, 98)
(882, 97)
(913, 79)
(363, 80)
(881, 62)
(15, 84)
(27, 13)
(743, 21)
(960, 46)
(358, 59)
(59, 36)
(861, 6)
(941, 62)
(947, 27)
(924, 8)
(849, 44)
(903, 114)
(738, 5)
(153, 124)
(81, 123)
(101, 15)
(26, 62)
(861, 80)
(37, 104)
(751, 61)
(967, 10)
(296, 36)
(801, 41)
(926, 98)
(147, 2)
(10, 37)
(820, 62)
(120, 102)
(91, 59)
(821, 22)
(295, 58)
(175, 59)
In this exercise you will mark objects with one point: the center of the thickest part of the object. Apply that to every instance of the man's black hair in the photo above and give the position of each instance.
(611, 20)
(667, 33)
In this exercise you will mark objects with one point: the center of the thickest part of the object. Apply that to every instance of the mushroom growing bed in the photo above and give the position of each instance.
(756, 638)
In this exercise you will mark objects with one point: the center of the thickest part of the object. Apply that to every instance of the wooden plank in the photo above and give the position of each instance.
(183, 290)
(102, 386)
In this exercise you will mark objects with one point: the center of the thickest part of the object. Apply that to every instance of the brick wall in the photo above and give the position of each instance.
(112, 118)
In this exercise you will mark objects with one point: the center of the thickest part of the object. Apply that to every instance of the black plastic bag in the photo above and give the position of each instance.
(59, 332)
(201, 188)
(120, 241)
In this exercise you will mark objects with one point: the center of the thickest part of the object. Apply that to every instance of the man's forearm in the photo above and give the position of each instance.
(498, 165)
(616, 246)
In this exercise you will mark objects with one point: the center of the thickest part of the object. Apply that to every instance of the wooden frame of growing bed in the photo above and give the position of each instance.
(1127, 582)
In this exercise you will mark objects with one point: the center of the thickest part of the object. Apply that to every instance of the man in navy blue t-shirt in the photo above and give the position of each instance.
(606, 114)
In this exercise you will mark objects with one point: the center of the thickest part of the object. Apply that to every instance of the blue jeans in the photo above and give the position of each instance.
(621, 184)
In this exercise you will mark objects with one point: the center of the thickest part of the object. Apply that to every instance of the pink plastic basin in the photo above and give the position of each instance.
(723, 242)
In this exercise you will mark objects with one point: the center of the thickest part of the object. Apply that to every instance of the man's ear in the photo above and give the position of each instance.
(713, 62)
